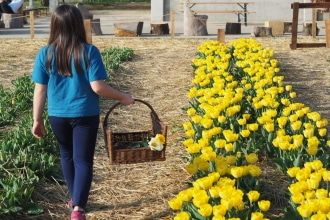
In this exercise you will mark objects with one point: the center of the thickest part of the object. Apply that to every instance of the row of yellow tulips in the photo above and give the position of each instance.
(239, 110)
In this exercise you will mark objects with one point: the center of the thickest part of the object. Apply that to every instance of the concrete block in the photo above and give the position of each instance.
(12, 20)
(277, 27)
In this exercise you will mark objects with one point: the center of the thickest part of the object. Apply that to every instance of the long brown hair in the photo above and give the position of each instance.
(67, 39)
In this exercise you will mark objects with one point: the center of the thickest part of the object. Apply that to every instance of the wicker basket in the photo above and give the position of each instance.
(119, 153)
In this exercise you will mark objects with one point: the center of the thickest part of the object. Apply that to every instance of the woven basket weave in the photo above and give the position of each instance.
(119, 153)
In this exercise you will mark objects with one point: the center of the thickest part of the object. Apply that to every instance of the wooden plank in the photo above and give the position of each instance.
(308, 45)
(192, 3)
(221, 35)
(223, 11)
(172, 17)
(327, 32)
(314, 23)
(32, 24)
(295, 7)
(88, 30)
(312, 5)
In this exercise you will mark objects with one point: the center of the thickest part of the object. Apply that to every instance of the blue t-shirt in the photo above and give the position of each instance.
(71, 96)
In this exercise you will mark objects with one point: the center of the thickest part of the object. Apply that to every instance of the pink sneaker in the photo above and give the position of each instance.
(78, 215)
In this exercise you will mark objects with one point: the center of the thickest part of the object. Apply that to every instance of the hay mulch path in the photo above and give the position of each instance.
(160, 73)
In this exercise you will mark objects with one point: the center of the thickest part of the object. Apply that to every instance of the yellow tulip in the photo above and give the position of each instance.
(312, 150)
(220, 143)
(191, 169)
(293, 171)
(229, 147)
(193, 148)
(241, 121)
(236, 172)
(205, 210)
(245, 133)
(322, 132)
(319, 216)
(253, 195)
(254, 170)
(200, 198)
(175, 203)
(191, 112)
(264, 205)
(305, 210)
(269, 127)
(282, 121)
(219, 210)
(185, 195)
(257, 216)
(252, 158)
(324, 205)
(230, 160)
(253, 127)
(182, 216)
(298, 198)
(315, 116)
(310, 194)
(321, 193)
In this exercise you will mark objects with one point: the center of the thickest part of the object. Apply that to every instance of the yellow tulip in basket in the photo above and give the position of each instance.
(137, 146)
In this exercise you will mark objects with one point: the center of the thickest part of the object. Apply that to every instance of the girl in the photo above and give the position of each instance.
(69, 72)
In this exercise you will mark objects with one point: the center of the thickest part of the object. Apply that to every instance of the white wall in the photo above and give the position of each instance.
(264, 10)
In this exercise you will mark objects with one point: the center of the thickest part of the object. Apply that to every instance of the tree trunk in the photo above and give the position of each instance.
(262, 32)
(233, 28)
(128, 29)
(194, 25)
(159, 29)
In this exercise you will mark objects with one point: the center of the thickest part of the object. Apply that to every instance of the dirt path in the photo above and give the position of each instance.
(160, 74)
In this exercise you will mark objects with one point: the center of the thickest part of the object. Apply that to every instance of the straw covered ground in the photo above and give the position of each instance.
(160, 73)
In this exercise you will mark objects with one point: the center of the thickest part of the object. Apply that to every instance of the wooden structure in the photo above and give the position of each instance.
(88, 30)
(221, 36)
(39, 11)
(128, 29)
(277, 27)
(296, 6)
(242, 5)
(95, 23)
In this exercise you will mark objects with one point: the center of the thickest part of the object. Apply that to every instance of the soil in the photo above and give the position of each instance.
(159, 73)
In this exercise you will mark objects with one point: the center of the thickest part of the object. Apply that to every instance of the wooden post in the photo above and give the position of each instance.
(172, 24)
(327, 32)
(88, 30)
(295, 7)
(221, 35)
(32, 24)
(314, 22)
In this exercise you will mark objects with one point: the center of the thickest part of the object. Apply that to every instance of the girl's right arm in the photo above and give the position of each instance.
(102, 89)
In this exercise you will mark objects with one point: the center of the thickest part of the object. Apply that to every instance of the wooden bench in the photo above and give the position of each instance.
(243, 5)
(296, 6)
(39, 11)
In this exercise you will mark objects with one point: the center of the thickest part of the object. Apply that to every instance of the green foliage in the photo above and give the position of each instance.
(25, 161)
(114, 56)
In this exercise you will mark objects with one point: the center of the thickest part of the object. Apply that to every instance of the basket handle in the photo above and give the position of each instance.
(154, 116)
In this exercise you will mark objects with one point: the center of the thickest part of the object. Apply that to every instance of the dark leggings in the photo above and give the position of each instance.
(4, 8)
(76, 139)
